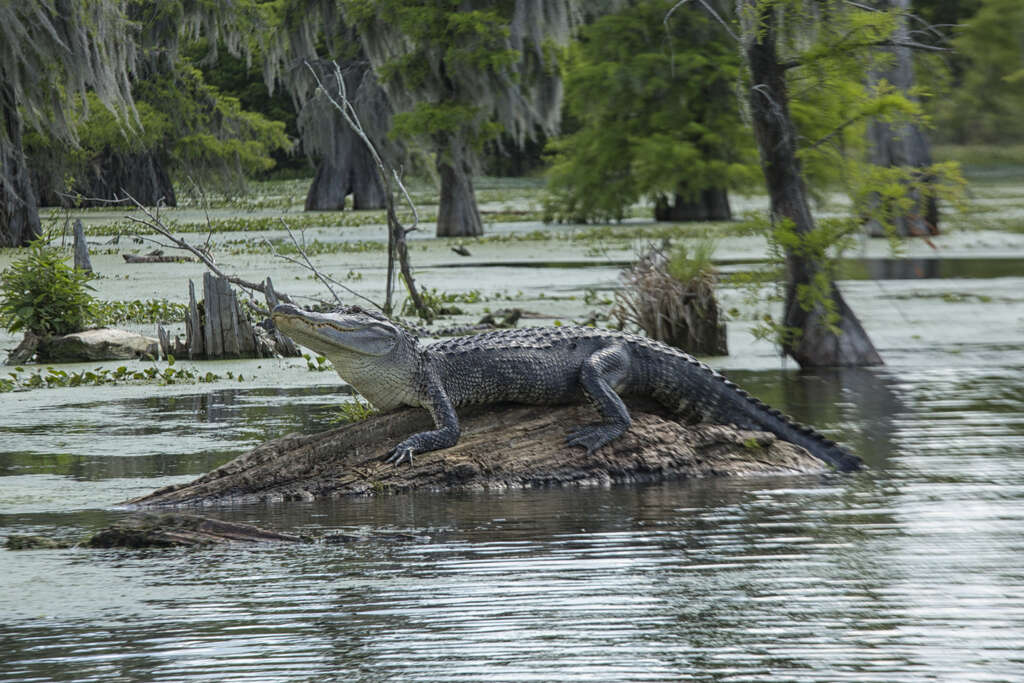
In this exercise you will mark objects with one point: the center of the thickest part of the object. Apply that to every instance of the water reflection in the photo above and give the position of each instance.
(906, 572)
(158, 435)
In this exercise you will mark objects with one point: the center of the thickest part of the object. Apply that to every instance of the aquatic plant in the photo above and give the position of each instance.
(42, 294)
(107, 313)
(671, 297)
(51, 377)
(354, 411)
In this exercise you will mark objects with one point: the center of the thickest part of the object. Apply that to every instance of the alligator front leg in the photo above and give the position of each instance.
(600, 372)
(445, 436)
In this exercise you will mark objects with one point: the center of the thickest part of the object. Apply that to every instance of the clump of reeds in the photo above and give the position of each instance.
(670, 295)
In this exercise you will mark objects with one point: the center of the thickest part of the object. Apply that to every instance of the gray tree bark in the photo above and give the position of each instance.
(348, 169)
(82, 261)
(903, 145)
(819, 343)
(19, 213)
(457, 212)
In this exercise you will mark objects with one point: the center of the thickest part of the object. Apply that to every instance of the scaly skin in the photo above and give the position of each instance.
(536, 365)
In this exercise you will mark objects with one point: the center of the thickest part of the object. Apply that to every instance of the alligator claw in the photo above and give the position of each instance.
(590, 437)
(398, 455)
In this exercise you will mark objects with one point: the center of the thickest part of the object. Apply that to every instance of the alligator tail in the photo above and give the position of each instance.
(763, 416)
(725, 402)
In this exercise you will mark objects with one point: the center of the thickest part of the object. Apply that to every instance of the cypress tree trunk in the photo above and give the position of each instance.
(904, 145)
(329, 187)
(347, 169)
(711, 204)
(19, 214)
(818, 344)
(109, 176)
(457, 213)
(112, 175)
(364, 181)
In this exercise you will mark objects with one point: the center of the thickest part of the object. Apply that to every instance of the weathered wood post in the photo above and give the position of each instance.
(219, 328)
(82, 261)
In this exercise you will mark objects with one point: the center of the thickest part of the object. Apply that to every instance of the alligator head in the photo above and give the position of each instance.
(377, 357)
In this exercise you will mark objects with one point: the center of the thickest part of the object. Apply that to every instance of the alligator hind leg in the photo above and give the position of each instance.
(599, 374)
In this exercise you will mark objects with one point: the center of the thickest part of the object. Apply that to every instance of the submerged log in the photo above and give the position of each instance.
(503, 447)
(169, 530)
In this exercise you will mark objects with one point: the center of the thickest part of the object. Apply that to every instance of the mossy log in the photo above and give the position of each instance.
(501, 447)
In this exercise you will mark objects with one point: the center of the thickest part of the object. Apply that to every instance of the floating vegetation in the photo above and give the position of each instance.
(296, 221)
(443, 303)
(107, 313)
(312, 247)
(318, 364)
(51, 377)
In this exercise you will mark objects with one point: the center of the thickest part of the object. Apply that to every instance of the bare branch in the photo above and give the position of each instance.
(408, 199)
(156, 225)
(326, 279)
(396, 232)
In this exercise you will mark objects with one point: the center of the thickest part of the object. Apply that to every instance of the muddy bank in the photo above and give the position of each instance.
(509, 447)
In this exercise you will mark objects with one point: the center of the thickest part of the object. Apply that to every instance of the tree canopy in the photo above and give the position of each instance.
(52, 54)
(459, 75)
(654, 100)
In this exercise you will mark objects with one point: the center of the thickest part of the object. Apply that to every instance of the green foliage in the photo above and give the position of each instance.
(823, 247)
(188, 125)
(688, 264)
(887, 193)
(318, 364)
(985, 107)
(450, 53)
(22, 380)
(441, 303)
(355, 410)
(106, 313)
(657, 114)
(40, 293)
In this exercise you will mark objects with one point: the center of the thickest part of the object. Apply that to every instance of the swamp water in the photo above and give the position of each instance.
(908, 571)
(911, 570)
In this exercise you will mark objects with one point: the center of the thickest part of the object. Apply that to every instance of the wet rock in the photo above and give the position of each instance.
(94, 345)
(170, 530)
(501, 447)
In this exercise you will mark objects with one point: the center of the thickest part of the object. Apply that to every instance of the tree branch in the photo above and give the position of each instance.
(156, 225)
(396, 231)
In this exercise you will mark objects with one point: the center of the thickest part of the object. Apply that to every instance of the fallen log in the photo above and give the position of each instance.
(503, 447)
(156, 256)
(171, 530)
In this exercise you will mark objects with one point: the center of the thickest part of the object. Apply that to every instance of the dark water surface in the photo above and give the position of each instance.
(912, 570)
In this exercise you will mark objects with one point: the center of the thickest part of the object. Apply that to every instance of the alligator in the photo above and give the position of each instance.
(389, 366)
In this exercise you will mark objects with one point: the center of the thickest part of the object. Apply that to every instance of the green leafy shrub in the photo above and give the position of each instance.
(42, 294)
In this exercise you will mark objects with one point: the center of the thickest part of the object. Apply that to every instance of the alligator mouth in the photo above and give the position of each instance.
(338, 333)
